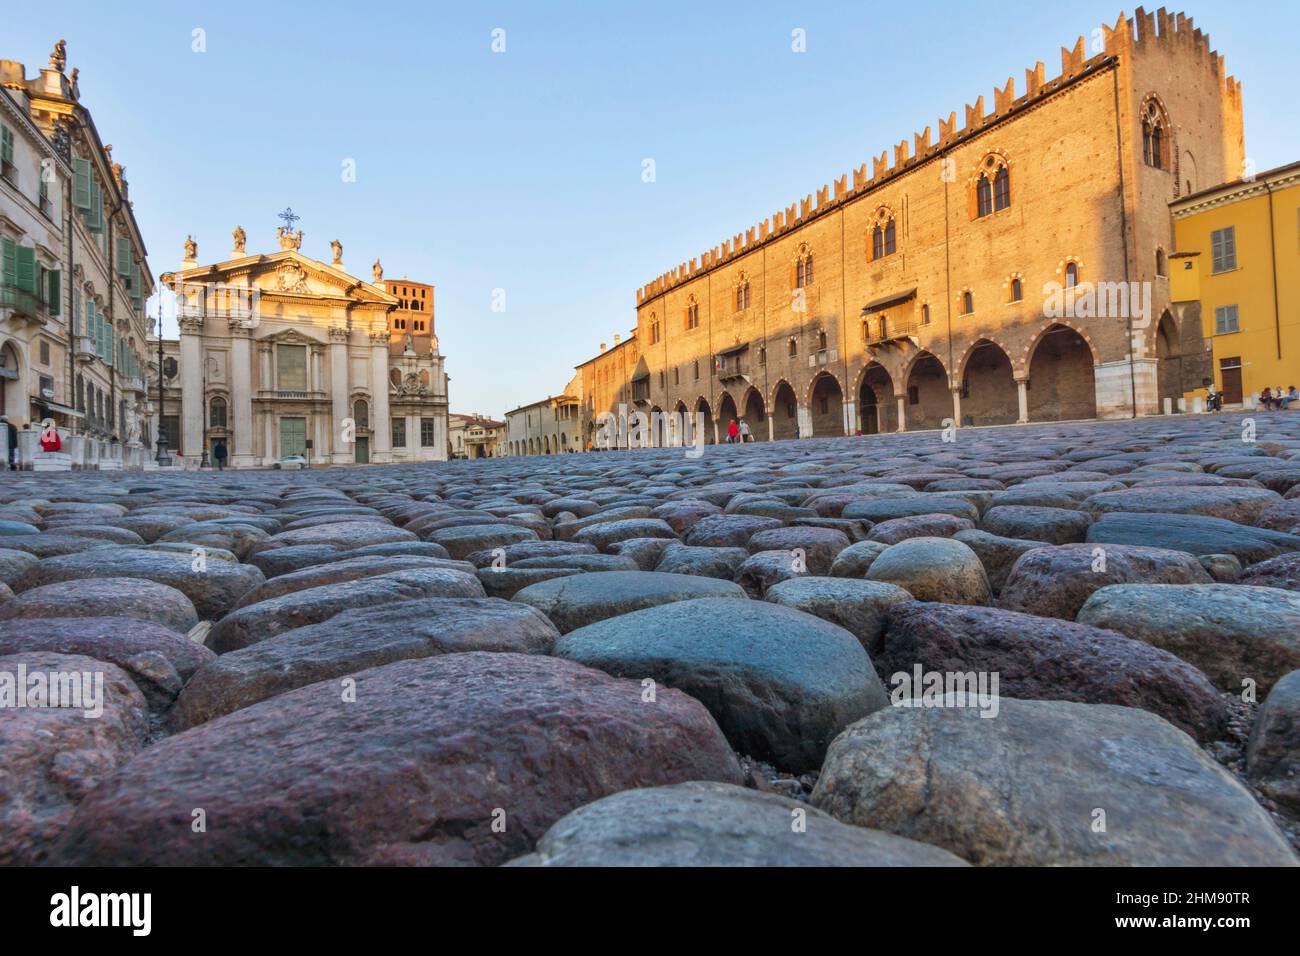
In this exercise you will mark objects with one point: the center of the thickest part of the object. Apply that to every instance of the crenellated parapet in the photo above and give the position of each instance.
(1130, 36)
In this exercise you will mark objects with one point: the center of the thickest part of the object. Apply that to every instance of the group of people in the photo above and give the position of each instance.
(1276, 399)
(738, 432)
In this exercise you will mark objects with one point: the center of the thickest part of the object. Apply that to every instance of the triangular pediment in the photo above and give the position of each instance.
(286, 273)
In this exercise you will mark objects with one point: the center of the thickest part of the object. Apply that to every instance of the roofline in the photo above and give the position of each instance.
(1277, 172)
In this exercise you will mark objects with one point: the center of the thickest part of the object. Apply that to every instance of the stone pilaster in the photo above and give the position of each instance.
(341, 452)
(382, 426)
(193, 400)
(241, 396)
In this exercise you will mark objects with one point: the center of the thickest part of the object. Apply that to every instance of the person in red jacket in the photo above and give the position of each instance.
(732, 431)
(50, 440)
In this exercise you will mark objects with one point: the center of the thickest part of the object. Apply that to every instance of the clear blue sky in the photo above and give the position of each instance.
(522, 170)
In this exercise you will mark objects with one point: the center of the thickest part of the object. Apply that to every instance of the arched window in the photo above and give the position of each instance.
(877, 242)
(361, 413)
(925, 314)
(217, 413)
(794, 346)
(884, 235)
(803, 268)
(1017, 289)
(742, 293)
(1071, 275)
(81, 394)
(1162, 265)
(692, 314)
(992, 186)
(1154, 135)
(967, 302)
(821, 341)
(866, 329)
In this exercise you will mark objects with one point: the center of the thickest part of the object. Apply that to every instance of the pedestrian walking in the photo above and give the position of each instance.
(745, 436)
(219, 454)
(732, 431)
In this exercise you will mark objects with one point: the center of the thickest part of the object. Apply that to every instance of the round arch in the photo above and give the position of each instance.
(929, 398)
(704, 419)
(1062, 376)
(877, 410)
(826, 404)
(988, 385)
(13, 398)
(784, 411)
(754, 414)
(1169, 362)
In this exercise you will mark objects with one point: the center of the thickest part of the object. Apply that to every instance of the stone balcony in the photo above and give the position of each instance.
(85, 349)
(16, 303)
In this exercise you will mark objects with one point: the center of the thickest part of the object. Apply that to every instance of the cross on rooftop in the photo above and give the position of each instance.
(289, 217)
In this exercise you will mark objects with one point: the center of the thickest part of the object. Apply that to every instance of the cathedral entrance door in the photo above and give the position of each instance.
(293, 437)
(361, 448)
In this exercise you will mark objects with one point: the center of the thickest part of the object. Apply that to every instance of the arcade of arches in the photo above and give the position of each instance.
(906, 389)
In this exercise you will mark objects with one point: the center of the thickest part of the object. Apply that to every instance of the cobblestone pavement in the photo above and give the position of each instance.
(1072, 643)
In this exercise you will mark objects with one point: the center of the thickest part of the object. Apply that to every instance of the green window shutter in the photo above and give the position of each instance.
(6, 144)
(137, 287)
(95, 217)
(81, 180)
(54, 292)
(10, 260)
(123, 257)
(27, 269)
(76, 311)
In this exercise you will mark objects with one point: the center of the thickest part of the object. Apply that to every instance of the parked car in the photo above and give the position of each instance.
(291, 463)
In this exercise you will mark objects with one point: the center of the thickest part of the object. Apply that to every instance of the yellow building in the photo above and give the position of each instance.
(1238, 261)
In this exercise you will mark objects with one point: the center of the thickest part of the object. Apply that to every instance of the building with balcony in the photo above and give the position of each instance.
(475, 436)
(75, 278)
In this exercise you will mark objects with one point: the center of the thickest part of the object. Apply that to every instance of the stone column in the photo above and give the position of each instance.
(241, 395)
(192, 398)
(342, 452)
(268, 426)
(956, 408)
(1022, 388)
(771, 429)
(382, 426)
(803, 415)
(850, 418)
(902, 412)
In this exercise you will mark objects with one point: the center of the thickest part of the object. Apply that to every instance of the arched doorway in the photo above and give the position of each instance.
(785, 412)
(1169, 362)
(12, 400)
(929, 401)
(680, 427)
(988, 387)
(1062, 384)
(658, 428)
(703, 421)
(727, 414)
(876, 407)
(755, 415)
(827, 406)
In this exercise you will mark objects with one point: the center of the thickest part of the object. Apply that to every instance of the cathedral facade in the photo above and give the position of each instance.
(283, 356)
(1011, 268)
